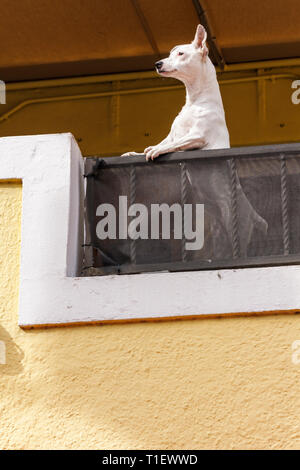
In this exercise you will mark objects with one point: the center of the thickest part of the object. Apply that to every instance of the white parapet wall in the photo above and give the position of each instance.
(51, 291)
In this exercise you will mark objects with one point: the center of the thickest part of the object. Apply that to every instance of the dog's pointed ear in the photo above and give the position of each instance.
(199, 41)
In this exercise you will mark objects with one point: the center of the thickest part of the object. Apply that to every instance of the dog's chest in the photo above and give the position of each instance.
(188, 118)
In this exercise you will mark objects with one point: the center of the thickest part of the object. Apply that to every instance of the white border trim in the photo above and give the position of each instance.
(51, 168)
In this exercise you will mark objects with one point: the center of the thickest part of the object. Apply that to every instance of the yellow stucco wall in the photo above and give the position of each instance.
(207, 383)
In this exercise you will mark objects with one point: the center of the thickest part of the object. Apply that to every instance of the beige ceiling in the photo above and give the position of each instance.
(249, 30)
(57, 38)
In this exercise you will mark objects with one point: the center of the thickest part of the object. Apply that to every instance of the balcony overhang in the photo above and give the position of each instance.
(61, 40)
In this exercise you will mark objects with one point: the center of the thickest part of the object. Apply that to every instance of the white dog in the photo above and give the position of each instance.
(201, 122)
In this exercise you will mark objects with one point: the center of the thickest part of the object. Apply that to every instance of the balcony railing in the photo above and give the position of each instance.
(251, 198)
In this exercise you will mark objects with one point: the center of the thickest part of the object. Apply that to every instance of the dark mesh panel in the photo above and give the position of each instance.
(251, 208)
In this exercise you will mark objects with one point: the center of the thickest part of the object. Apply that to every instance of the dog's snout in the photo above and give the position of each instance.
(159, 64)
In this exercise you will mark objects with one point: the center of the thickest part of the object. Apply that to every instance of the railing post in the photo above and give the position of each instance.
(235, 221)
(183, 202)
(284, 205)
(132, 201)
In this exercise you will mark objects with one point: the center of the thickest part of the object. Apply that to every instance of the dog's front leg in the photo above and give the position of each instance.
(130, 154)
(185, 143)
(163, 142)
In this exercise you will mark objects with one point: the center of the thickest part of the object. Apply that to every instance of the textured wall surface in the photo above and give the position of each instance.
(207, 383)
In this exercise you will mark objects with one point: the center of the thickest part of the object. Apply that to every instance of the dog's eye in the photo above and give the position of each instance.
(180, 53)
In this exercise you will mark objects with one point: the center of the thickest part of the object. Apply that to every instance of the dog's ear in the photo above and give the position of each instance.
(199, 41)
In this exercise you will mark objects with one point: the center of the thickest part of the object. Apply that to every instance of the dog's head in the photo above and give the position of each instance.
(186, 60)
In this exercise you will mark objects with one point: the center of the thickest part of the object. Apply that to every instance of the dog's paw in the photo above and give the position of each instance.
(130, 154)
(152, 152)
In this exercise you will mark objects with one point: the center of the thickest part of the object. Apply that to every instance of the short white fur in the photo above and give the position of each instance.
(201, 122)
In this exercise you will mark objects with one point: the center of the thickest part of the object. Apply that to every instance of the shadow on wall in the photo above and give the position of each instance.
(10, 355)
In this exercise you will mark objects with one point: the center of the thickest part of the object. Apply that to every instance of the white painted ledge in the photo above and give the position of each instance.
(51, 168)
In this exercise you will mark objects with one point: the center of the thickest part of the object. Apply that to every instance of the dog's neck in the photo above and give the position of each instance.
(203, 88)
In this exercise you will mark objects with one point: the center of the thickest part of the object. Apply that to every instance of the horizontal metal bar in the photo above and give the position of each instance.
(263, 261)
(85, 96)
(131, 91)
(239, 152)
(127, 76)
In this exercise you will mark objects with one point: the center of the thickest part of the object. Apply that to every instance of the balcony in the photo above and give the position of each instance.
(251, 198)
